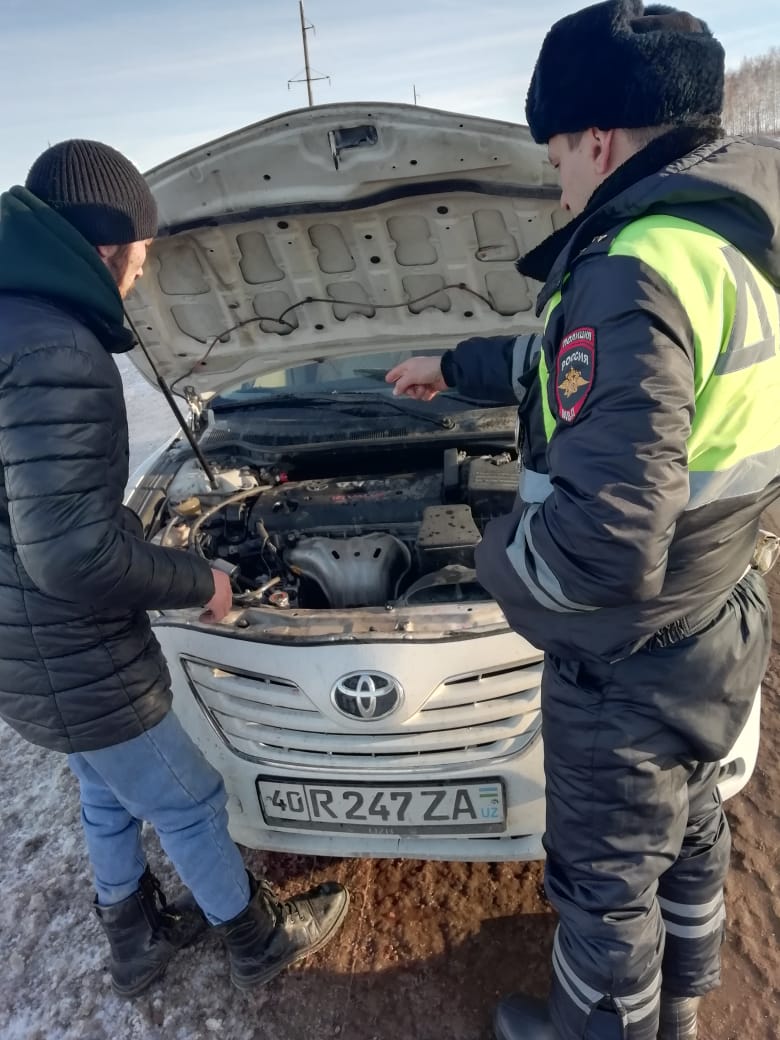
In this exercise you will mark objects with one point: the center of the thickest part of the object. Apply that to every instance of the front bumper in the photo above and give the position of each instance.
(470, 711)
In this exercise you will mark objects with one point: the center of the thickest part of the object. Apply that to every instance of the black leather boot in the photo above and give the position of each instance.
(144, 931)
(522, 1018)
(270, 935)
(678, 1017)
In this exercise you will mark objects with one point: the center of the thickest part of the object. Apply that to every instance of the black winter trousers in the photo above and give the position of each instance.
(637, 842)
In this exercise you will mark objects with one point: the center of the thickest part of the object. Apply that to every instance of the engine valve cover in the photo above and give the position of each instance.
(353, 572)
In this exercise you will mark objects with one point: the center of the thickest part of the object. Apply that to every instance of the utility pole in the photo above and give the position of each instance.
(307, 78)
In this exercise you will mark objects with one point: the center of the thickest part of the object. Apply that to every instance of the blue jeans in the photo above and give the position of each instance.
(162, 777)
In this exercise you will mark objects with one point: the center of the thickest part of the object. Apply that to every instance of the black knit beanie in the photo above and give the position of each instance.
(621, 65)
(97, 190)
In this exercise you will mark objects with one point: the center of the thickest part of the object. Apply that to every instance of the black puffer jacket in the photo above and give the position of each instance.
(79, 666)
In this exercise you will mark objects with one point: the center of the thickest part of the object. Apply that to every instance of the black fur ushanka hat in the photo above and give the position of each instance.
(621, 65)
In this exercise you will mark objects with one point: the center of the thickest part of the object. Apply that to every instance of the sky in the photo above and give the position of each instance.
(155, 77)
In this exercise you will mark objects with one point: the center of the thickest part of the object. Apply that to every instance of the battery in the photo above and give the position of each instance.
(492, 486)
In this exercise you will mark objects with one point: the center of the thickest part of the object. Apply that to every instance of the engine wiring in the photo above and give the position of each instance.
(238, 496)
(260, 571)
(281, 320)
(245, 591)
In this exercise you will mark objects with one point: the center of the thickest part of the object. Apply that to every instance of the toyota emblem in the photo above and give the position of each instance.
(366, 695)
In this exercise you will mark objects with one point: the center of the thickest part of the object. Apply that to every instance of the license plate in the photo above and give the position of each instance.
(442, 807)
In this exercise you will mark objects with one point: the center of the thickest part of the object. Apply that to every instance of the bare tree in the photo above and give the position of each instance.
(752, 100)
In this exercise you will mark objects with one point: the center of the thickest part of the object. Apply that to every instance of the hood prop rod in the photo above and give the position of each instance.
(168, 395)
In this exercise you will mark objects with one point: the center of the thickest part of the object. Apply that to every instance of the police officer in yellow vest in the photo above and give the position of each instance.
(653, 446)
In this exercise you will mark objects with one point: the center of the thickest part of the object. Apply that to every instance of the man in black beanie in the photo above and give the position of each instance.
(655, 449)
(80, 670)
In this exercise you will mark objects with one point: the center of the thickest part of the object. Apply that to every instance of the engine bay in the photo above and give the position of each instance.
(310, 536)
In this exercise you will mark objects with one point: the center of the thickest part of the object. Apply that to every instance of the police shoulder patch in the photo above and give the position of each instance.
(574, 371)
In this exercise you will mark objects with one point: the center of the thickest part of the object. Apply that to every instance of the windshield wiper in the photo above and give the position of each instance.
(342, 397)
(452, 394)
(400, 404)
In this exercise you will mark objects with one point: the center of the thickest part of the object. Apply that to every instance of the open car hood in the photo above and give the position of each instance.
(335, 230)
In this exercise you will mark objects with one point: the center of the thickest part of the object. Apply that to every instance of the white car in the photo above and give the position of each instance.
(365, 697)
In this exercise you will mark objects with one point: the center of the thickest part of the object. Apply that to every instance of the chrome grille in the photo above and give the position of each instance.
(474, 717)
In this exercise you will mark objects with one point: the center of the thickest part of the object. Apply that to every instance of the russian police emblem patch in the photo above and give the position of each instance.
(574, 371)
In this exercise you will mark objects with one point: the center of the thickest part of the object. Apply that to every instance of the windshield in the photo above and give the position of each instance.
(355, 373)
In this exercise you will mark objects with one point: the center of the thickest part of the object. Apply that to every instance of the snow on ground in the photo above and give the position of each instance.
(150, 419)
